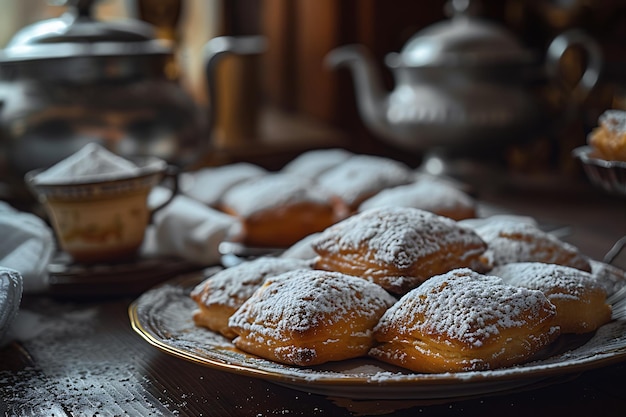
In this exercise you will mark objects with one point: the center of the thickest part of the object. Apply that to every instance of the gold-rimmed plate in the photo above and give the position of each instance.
(163, 317)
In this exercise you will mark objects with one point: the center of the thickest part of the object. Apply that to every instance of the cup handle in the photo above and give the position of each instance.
(172, 173)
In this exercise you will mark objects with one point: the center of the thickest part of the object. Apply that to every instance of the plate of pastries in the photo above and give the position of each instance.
(395, 301)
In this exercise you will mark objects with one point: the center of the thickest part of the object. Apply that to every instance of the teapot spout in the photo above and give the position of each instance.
(372, 97)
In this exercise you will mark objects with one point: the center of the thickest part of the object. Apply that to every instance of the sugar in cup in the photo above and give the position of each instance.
(97, 202)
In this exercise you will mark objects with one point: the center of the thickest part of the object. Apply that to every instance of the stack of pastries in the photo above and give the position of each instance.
(411, 288)
(276, 209)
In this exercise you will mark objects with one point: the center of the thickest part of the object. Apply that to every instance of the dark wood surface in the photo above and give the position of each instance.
(79, 356)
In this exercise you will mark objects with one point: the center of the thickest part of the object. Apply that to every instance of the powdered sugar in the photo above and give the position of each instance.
(299, 301)
(91, 162)
(553, 280)
(465, 306)
(270, 191)
(232, 286)
(362, 176)
(395, 235)
(512, 241)
(430, 195)
(614, 121)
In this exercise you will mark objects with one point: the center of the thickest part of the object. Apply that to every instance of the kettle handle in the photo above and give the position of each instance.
(590, 76)
(217, 48)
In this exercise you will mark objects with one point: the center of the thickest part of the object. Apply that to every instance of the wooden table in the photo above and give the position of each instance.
(79, 356)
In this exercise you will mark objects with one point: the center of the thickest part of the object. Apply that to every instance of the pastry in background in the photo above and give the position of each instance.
(609, 276)
(302, 249)
(512, 241)
(608, 139)
(362, 176)
(580, 301)
(427, 194)
(311, 164)
(277, 210)
(465, 321)
(309, 317)
(397, 247)
(208, 185)
(221, 294)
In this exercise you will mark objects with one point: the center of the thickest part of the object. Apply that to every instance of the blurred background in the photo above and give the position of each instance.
(282, 100)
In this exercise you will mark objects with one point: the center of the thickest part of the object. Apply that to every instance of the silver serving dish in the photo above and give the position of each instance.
(608, 175)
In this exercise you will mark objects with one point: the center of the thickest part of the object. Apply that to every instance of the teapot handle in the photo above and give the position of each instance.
(217, 48)
(557, 49)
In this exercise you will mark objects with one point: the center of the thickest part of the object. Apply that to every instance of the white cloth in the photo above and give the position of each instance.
(10, 298)
(187, 228)
(26, 246)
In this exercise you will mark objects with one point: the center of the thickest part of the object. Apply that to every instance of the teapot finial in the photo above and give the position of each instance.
(461, 8)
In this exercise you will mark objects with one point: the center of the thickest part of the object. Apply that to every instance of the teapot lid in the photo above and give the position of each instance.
(77, 34)
(463, 40)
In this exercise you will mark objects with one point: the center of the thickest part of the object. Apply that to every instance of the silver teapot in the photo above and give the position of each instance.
(71, 80)
(464, 82)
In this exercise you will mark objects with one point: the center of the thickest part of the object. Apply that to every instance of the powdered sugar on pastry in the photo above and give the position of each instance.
(396, 235)
(579, 299)
(232, 286)
(474, 308)
(431, 195)
(362, 176)
(308, 317)
(462, 321)
(397, 247)
(272, 190)
(511, 241)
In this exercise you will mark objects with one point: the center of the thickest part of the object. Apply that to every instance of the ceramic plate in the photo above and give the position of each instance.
(163, 317)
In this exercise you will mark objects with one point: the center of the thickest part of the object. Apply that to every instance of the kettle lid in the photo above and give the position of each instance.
(463, 40)
(77, 34)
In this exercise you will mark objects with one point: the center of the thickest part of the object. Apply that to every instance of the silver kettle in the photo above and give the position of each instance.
(71, 80)
(461, 83)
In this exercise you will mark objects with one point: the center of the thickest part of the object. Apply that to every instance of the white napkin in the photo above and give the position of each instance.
(10, 298)
(26, 246)
(187, 228)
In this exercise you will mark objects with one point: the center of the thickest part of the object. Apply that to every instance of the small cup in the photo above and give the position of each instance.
(103, 221)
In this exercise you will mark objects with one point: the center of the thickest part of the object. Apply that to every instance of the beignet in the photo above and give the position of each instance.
(465, 321)
(308, 317)
(580, 301)
(278, 210)
(608, 139)
(220, 295)
(427, 194)
(511, 241)
(362, 176)
(397, 247)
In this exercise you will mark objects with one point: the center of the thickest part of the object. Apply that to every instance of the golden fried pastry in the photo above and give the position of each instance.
(308, 317)
(465, 321)
(397, 247)
(609, 139)
(278, 210)
(220, 295)
(580, 301)
(427, 194)
(362, 176)
(511, 241)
